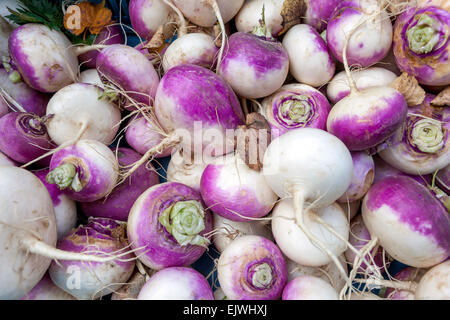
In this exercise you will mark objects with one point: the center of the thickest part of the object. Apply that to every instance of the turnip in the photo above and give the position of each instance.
(318, 12)
(118, 203)
(295, 106)
(255, 65)
(367, 28)
(147, 15)
(64, 207)
(204, 13)
(176, 283)
(226, 231)
(406, 274)
(92, 280)
(4, 107)
(339, 88)
(252, 268)
(86, 171)
(78, 111)
(409, 222)
(144, 133)
(309, 288)
(421, 39)
(192, 48)
(28, 233)
(234, 191)
(279, 15)
(109, 35)
(435, 284)
(362, 177)
(359, 237)
(167, 224)
(186, 171)
(91, 76)
(366, 118)
(47, 290)
(127, 69)
(19, 93)
(294, 166)
(44, 57)
(310, 60)
(421, 146)
(195, 107)
(328, 272)
(24, 137)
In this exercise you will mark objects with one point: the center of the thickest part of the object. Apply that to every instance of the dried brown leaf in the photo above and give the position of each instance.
(408, 86)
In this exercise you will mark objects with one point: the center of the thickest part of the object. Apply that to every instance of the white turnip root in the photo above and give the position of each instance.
(234, 191)
(296, 244)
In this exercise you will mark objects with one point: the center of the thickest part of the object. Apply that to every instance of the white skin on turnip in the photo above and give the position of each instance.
(366, 78)
(308, 287)
(435, 284)
(250, 14)
(91, 76)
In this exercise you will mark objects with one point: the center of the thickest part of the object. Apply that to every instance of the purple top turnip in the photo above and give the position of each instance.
(309, 288)
(406, 274)
(92, 280)
(410, 223)
(130, 71)
(252, 268)
(146, 16)
(318, 12)
(255, 66)
(421, 42)
(44, 57)
(47, 290)
(369, 28)
(421, 145)
(295, 106)
(166, 226)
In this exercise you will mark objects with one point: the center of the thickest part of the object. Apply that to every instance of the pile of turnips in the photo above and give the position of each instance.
(308, 142)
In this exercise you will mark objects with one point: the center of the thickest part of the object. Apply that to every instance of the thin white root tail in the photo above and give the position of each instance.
(215, 6)
(298, 207)
(401, 285)
(41, 248)
(83, 49)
